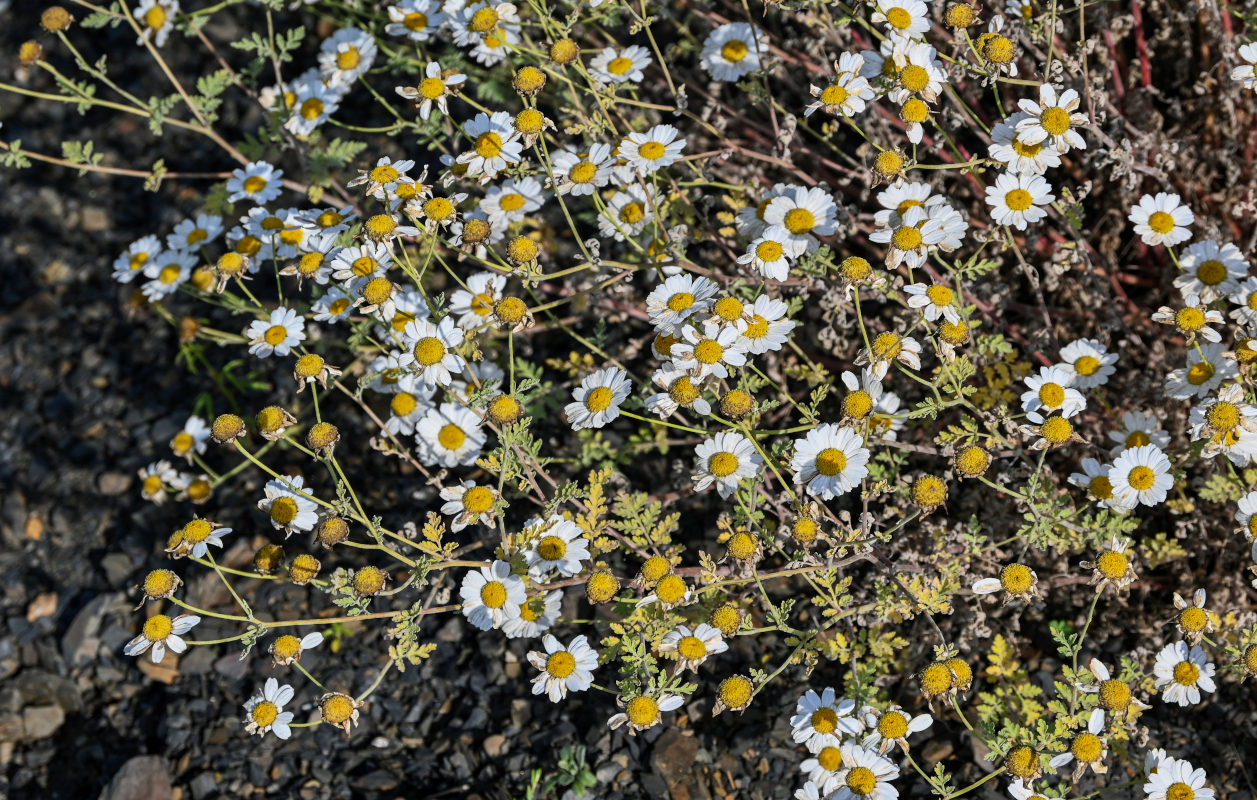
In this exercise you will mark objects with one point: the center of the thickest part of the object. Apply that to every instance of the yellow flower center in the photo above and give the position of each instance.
(286, 647)
(1101, 487)
(264, 713)
(140, 259)
(857, 404)
(284, 510)
(722, 464)
(415, 21)
(734, 50)
(799, 220)
(939, 295)
(1087, 747)
(1112, 564)
(899, 18)
(972, 461)
(1193, 619)
(1055, 120)
(1114, 695)
(1161, 222)
(336, 709)
(429, 350)
(906, 238)
(757, 328)
(561, 664)
(861, 780)
(1186, 673)
(493, 594)
(691, 648)
(1022, 761)
(620, 65)
(254, 184)
(348, 58)
(914, 78)
(1051, 394)
(338, 306)
(196, 236)
(275, 335)
(1199, 373)
(488, 144)
(887, 346)
(651, 151)
(311, 108)
(642, 711)
(1016, 579)
(483, 20)
(1018, 200)
(834, 95)
(1027, 150)
(478, 499)
(159, 583)
(1211, 272)
(632, 213)
(158, 627)
(1223, 416)
(451, 436)
(512, 201)
(728, 308)
(683, 391)
(1056, 430)
(768, 250)
(169, 274)
(680, 301)
(583, 172)
(708, 351)
(671, 589)
(888, 162)
(829, 759)
(893, 725)
(1141, 478)
(155, 18)
(831, 461)
(182, 443)
(1189, 319)
(735, 691)
(403, 404)
(1180, 791)
(552, 548)
(431, 88)
(599, 399)
(998, 49)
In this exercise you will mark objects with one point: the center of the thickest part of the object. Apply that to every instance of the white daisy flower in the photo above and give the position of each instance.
(345, 55)
(805, 213)
(809, 791)
(416, 20)
(333, 306)
(772, 252)
(866, 775)
(885, 422)
(1052, 391)
(193, 234)
(863, 394)
(431, 347)
(919, 74)
(903, 19)
(257, 181)
(1211, 270)
(495, 145)
(1025, 11)
(473, 305)
(1192, 320)
(1095, 479)
(436, 88)
(169, 270)
(156, 19)
(889, 347)
(1182, 673)
(512, 200)
(628, 212)
(537, 615)
(289, 505)
(563, 669)
(951, 225)
(287, 649)
(449, 436)
(849, 92)
(278, 335)
(710, 351)
(825, 768)
(1087, 747)
(196, 537)
(824, 719)
(1246, 73)
(1020, 157)
(136, 257)
(1227, 427)
(1054, 119)
(893, 726)
(767, 329)
(1139, 428)
(750, 219)
(162, 633)
(1019, 199)
(1089, 361)
(559, 545)
(468, 504)
(673, 302)
(1245, 299)
(192, 439)
(620, 66)
(264, 712)
(314, 105)
(1141, 475)
(580, 173)
(693, 647)
(895, 200)
(1246, 516)
(732, 51)
(910, 239)
(483, 24)
(830, 461)
(597, 399)
(935, 300)
(1162, 219)
(679, 391)
(1175, 779)
(653, 150)
(492, 595)
(1206, 369)
(725, 461)
(642, 711)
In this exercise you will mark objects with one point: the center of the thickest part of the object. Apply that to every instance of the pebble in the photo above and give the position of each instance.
(140, 778)
(40, 722)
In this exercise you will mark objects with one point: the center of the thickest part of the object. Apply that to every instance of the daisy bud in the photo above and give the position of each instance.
(734, 694)
(854, 269)
(476, 231)
(272, 421)
(322, 438)
(654, 569)
(505, 409)
(564, 51)
(331, 532)
(521, 250)
(929, 492)
(601, 586)
(529, 80)
(30, 52)
(959, 15)
(303, 569)
(726, 618)
(369, 581)
(736, 404)
(267, 560)
(55, 19)
(226, 428)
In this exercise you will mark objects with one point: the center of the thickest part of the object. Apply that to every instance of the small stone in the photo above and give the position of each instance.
(34, 528)
(40, 722)
(141, 778)
(495, 745)
(44, 605)
(95, 219)
(114, 483)
(165, 672)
